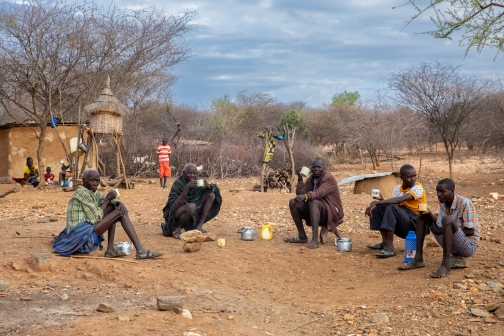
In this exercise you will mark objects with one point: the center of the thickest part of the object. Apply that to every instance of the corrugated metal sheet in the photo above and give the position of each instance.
(362, 177)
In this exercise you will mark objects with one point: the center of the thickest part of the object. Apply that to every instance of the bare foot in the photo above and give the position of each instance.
(442, 271)
(313, 244)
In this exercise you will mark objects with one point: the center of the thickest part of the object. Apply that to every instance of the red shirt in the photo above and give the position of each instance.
(164, 153)
(49, 176)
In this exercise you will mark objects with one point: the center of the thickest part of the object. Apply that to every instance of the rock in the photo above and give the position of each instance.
(493, 284)
(186, 313)
(490, 320)
(38, 206)
(122, 318)
(177, 310)
(52, 285)
(190, 333)
(43, 220)
(469, 276)
(52, 219)
(169, 302)
(230, 317)
(211, 237)
(495, 240)
(382, 318)
(42, 261)
(152, 181)
(458, 262)
(430, 241)
(105, 308)
(25, 298)
(460, 286)
(499, 313)
(64, 297)
(192, 247)
(479, 312)
(494, 195)
(4, 286)
(193, 236)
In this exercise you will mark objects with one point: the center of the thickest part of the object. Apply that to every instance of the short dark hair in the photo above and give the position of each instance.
(48, 168)
(319, 158)
(448, 182)
(405, 168)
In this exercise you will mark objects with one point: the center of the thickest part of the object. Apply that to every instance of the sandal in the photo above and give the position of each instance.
(296, 240)
(375, 246)
(114, 254)
(411, 265)
(149, 255)
(176, 234)
(385, 253)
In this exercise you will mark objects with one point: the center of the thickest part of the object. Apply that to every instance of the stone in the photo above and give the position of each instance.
(177, 310)
(43, 220)
(169, 302)
(469, 276)
(190, 333)
(479, 312)
(52, 285)
(494, 195)
(193, 236)
(499, 313)
(495, 240)
(53, 219)
(430, 242)
(38, 206)
(4, 286)
(460, 286)
(493, 284)
(64, 297)
(381, 318)
(42, 258)
(490, 320)
(105, 308)
(458, 262)
(152, 181)
(211, 237)
(192, 247)
(25, 298)
(186, 313)
(122, 318)
(230, 317)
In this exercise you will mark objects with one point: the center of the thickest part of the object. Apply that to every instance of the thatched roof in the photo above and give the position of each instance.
(107, 103)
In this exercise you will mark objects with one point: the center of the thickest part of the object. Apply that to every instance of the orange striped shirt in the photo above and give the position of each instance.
(164, 151)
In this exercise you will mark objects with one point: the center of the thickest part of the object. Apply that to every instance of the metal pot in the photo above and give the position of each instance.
(124, 247)
(344, 244)
(247, 233)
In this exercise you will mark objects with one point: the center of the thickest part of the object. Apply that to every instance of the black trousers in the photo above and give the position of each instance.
(393, 218)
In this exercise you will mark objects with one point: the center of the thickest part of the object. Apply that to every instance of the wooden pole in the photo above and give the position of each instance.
(117, 138)
(289, 134)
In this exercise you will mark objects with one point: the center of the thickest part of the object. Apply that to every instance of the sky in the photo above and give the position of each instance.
(307, 51)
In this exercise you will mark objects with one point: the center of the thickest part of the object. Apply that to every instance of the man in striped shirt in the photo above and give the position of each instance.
(163, 152)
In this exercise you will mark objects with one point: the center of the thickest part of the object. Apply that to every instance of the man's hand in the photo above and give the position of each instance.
(300, 198)
(370, 208)
(298, 173)
(122, 209)
(190, 184)
(208, 186)
(111, 195)
(436, 230)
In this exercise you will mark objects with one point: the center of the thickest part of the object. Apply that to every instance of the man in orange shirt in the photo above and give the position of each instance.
(163, 152)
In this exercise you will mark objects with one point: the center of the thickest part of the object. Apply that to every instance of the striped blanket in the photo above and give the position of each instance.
(196, 196)
(82, 238)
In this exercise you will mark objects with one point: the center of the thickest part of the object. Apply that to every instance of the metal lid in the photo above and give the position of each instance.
(344, 239)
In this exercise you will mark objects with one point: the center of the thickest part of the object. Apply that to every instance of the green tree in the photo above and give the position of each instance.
(293, 118)
(346, 98)
(480, 22)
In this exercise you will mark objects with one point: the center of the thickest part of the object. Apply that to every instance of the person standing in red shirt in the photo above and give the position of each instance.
(163, 152)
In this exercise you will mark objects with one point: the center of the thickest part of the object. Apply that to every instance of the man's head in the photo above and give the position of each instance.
(408, 176)
(48, 170)
(29, 161)
(317, 167)
(91, 179)
(445, 190)
(165, 141)
(190, 172)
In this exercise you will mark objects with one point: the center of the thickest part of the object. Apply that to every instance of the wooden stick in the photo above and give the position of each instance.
(116, 259)
(32, 237)
(302, 325)
(8, 192)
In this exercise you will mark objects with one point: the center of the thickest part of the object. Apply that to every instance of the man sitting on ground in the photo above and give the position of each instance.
(318, 202)
(455, 228)
(89, 215)
(396, 215)
(189, 206)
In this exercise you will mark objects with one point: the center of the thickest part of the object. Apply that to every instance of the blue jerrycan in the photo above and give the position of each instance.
(410, 246)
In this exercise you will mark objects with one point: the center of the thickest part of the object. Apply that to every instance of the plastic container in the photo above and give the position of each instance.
(75, 148)
(410, 246)
(70, 183)
(66, 183)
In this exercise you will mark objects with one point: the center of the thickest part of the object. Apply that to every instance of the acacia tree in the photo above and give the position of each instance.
(480, 21)
(55, 53)
(449, 100)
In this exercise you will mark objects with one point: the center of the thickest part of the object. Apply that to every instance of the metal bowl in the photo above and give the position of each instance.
(124, 247)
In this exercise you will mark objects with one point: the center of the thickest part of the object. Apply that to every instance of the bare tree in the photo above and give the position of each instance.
(448, 99)
(54, 53)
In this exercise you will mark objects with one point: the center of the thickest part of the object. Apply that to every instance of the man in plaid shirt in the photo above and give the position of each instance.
(455, 228)
(90, 214)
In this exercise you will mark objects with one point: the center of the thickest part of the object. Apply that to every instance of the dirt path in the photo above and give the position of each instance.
(245, 288)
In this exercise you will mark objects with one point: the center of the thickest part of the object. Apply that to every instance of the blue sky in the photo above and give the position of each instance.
(305, 50)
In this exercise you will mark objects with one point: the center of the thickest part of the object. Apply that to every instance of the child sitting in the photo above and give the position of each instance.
(49, 177)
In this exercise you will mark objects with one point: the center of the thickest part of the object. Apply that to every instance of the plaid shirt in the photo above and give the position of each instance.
(463, 212)
(84, 206)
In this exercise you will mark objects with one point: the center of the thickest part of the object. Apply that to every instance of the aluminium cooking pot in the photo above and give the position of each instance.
(247, 233)
(124, 247)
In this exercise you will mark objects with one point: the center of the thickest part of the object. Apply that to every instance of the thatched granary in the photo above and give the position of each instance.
(107, 112)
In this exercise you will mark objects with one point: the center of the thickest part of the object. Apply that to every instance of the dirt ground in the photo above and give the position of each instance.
(249, 287)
